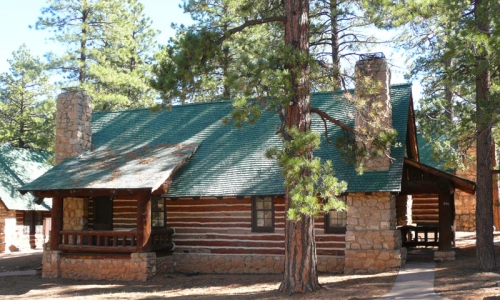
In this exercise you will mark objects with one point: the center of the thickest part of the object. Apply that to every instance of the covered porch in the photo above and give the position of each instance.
(98, 232)
(426, 207)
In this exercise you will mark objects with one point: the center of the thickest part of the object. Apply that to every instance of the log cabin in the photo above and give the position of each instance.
(138, 192)
(22, 222)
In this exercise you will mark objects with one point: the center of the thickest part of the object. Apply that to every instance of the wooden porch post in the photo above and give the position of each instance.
(445, 215)
(56, 226)
(144, 222)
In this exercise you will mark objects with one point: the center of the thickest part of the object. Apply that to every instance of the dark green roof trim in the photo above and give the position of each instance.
(231, 161)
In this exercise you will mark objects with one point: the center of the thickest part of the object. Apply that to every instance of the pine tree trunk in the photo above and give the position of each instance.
(83, 48)
(485, 249)
(335, 45)
(300, 274)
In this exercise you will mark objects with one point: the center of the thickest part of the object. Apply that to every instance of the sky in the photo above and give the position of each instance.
(17, 15)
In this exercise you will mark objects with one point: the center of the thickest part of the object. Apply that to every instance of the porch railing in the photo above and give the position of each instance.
(104, 241)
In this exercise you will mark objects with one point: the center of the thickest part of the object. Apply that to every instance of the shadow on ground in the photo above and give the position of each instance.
(181, 286)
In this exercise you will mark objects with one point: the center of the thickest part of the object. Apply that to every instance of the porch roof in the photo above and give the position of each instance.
(465, 185)
(138, 166)
(229, 161)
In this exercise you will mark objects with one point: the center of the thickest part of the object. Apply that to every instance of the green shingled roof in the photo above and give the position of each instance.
(425, 153)
(229, 161)
(18, 167)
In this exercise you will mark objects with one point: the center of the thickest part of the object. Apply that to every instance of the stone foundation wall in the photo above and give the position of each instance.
(465, 204)
(373, 244)
(246, 264)
(213, 263)
(139, 267)
(75, 213)
(165, 264)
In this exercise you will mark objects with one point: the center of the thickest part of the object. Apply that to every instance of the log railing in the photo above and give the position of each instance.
(104, 241)
(161, 239)
(99, 241)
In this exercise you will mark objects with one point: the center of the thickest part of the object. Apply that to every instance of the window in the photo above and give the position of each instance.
(263, 214)
(336, 221)
(157, 211)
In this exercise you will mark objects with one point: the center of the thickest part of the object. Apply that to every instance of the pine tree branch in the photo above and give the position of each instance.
(255, 22)
(326, 116)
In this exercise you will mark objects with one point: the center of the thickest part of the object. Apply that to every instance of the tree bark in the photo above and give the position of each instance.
(83, 48)
(300, 273)
(335, 45)
(485, 249)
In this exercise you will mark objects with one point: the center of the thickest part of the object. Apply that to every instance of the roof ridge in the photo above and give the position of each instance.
(229, 101)
(163, 108)
(349, 90)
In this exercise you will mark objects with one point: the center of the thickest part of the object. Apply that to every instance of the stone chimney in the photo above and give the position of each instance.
(73, 124)
(372, 71)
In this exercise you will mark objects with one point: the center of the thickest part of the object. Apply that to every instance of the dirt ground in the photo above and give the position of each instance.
(459, 279)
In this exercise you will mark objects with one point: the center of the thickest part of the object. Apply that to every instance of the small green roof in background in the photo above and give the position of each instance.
(17, 168)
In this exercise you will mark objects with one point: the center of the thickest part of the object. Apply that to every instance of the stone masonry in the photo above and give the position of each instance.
(377, 70)
(139, 267)
(75, 213)
(465, 204)
(373, 244)
(73, 124)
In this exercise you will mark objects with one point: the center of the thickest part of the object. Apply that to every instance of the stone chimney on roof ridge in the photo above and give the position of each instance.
(73, 124)
(371, 71)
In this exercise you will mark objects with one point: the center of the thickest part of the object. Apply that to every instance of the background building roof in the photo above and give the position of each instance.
(18, 167)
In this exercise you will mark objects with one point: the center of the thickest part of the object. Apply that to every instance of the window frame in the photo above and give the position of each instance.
(255, 226)
(330, 229)
(155, 209)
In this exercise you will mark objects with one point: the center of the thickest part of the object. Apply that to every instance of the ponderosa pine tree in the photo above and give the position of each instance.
(339, 31)
(27, 109)
(108, 49)
(238, 59)
(119, 75)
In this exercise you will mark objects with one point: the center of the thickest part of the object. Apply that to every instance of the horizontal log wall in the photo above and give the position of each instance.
(224, 226)
(124, 214)
(19, 217)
